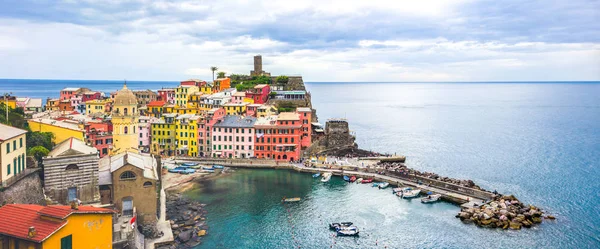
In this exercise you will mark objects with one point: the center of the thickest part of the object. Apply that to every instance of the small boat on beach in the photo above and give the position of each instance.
(189, 164)
(316, 175)
(431, 198)
(295, 199)
(384, 185)
(326, 177)
(370, 180)
(353, 178)
(346, 178)
(375, 184)
(208, 168)
(359, 180)
(218, 166)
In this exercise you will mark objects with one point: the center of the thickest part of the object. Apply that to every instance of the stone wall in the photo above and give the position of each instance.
(337, 134)
(27, 190)
(82, 175)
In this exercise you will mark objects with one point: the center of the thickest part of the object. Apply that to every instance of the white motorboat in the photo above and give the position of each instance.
(347, 231)
(410, 193)
(384, 185)
(431, 198)
(326, 177)
(359, 180)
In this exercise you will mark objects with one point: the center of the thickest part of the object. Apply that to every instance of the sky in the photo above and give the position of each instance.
(347, 40)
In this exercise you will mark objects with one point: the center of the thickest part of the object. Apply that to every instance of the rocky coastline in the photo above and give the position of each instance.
(505, 212)
(188, 221)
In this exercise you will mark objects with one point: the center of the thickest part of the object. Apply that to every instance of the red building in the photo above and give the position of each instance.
(193, 82)
(99, 135)
(167, 95)
(90, 96)
(278, 137)
(305, 121)
(260, 93)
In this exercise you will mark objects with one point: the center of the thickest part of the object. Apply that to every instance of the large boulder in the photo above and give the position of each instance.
(515, 225)
(185, 236)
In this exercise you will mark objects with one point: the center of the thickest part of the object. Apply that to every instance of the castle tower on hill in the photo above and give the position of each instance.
(125, 119)
(258, 71)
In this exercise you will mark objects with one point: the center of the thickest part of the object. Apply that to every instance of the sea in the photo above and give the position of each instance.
(537, 140)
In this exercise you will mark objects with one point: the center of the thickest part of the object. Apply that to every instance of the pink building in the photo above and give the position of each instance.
(67, 93)
(167, 95)
(233, 137)
(252, 109)
(260, 93)
(306, 130)
(193, 82)
(145, 124)
(238, 97)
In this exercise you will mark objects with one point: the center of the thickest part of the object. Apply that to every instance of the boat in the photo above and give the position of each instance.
(316, 175)
(218, 166)
(409, 193)
(326, 177)
(347, 231)
(353, 178)
(295, 199)
(370, 180)
(208, 168)
(346, 178)
(182, 170)
(189, 164)
(335, 226)
(398, 189)
(431, 198)
(376, 184)
(384, 185)
(359, 180)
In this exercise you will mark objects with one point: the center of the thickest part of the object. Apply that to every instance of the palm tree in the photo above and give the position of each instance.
(220, 75)
(213, 69)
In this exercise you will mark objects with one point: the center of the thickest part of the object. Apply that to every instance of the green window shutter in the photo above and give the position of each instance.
(66, 242)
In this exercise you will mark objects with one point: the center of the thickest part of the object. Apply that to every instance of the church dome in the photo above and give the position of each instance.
(125, 97)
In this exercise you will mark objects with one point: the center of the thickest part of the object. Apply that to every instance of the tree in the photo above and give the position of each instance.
(272, 95)
(38, 152)
(213, 69)
(282, 79)
(220, 75)
(35, 138)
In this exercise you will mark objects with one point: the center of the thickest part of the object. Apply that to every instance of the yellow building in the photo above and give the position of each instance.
(195, 100)
(12, 153)
(55, 227)
(52, 104)
(125, 120)
(182, 94)
(155, 108)
(265, 110)
(186, 130)
(185, 110)
(163, 135)
(204, 107)
(62, 129)
(11, 101)
(235, 108)
(206, 89)
(95, 106)
(169, 109)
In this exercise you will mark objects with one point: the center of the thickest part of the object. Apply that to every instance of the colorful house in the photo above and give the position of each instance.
(251, 109)
(155, 108)
(233, 137)
(62, 129)
(91, 95)
(306, 130)
(163, 135)
(193, 82)
(95, 106)
(265, 110)
(207, 89)
(52, 104)
(259, 94)
(125, 119)
(278, 137)
(11, 101)
(167, 95)
(99, 135)
(55, 227)
(235, 108)
(182, 94)
(221, 84)
(186, 135)
(12, 153)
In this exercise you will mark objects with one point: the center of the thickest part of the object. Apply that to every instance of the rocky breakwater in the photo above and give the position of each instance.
(188, 221)
(505, 212)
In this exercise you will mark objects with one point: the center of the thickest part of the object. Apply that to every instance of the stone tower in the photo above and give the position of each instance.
(125, 119)
(258, 71)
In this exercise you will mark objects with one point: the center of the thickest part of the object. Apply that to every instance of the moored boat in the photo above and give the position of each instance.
(431, 198)
(370, 180)
(218, 166)
(384, 185)
(359, 180)
(398, 189)
(346, 178)
(316, 175)
(326, 177)
(208, 168)
(336, 225)
(295, 199)
(375, 184)
(409, 193)
(353, 178)
(348, 231)
(189, 164)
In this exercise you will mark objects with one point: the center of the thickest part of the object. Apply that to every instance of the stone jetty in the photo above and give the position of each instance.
(505, 212)
(188, 221)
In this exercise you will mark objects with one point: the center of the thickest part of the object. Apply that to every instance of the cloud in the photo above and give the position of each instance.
(377, 40)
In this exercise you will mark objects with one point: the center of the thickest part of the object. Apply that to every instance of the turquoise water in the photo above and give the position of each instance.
(539, 141)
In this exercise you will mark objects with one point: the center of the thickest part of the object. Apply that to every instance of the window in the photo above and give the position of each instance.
(8, 169)
(127, 175)
(21, 142)
(66, 242)
(147, 184)
(125, 130)
(15, 145)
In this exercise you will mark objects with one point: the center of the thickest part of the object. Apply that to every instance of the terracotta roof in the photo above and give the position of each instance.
(17, 218)
(156, 103)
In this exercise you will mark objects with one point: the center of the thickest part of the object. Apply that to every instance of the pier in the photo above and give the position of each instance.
(450, 192)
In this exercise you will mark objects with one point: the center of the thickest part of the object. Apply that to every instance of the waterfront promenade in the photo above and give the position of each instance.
(457, 195)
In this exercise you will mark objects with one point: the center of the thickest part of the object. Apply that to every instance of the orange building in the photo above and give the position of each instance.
(278, 137)
(221, 84)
